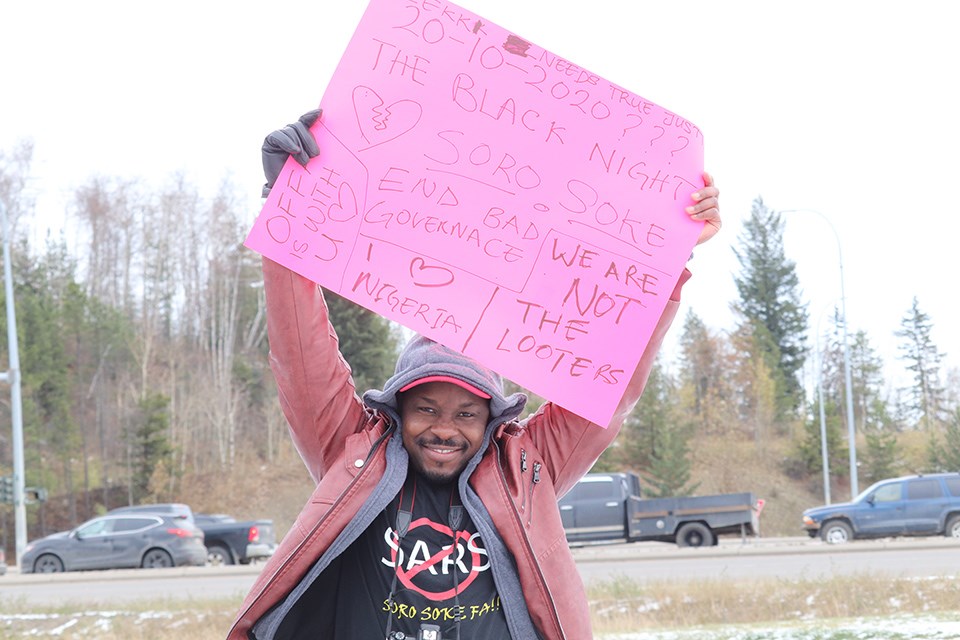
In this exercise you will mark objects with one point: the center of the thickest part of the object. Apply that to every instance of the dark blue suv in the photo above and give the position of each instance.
(925, 505)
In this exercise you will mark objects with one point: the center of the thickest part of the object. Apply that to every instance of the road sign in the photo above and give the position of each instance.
(33, 495)
(6, 489)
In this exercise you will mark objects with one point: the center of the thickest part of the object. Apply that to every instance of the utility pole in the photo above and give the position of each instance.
(12, 377)
(847, 376)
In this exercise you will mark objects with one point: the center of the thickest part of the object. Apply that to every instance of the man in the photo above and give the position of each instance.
(435, 512)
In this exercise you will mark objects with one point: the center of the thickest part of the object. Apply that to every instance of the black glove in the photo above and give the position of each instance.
(293, 140)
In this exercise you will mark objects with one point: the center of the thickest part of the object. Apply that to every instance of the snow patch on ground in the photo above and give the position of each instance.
(892, 628)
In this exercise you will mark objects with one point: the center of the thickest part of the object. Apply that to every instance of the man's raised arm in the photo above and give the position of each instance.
(315, 385)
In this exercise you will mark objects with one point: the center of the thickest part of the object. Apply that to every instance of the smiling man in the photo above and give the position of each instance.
(443, 423)
(435, 511)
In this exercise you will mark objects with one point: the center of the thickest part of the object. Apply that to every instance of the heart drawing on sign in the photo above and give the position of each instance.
(345, 208)
(425, 275)
(380, 122)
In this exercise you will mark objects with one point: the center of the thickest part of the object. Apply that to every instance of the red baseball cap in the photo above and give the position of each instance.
(457, 381)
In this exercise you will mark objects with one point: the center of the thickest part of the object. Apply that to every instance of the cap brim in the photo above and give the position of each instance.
(457, 381)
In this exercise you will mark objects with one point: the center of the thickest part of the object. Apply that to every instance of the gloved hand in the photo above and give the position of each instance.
(294, 140)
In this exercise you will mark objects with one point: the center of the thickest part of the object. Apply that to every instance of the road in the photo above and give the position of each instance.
(792, 558)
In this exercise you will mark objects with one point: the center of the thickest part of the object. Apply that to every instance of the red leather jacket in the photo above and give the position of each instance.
(341, 442)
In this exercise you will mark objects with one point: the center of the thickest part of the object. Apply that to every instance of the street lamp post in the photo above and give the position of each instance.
(848, 378)
(824, 456)
(824, 452)
(12, 376)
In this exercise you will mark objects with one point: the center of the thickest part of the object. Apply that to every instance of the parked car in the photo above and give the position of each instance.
(232, 542)
(919, 505)
(172, 509)
(117, 542)
(3, 562)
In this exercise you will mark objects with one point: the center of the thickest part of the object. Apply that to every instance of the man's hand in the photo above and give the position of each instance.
(707, 208)
(294, 140)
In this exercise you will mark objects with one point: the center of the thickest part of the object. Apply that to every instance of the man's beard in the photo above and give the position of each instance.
(435, 476)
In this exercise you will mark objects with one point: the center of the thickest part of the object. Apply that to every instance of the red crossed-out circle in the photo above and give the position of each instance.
(406, 577)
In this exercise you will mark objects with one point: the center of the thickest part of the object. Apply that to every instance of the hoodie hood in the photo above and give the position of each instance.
(423, 358)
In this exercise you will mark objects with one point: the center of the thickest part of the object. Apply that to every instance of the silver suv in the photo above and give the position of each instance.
(147, 540)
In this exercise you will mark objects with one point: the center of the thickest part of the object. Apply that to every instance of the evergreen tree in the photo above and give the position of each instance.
(149, 445)
(831, 391)
(879, 459)
(651, 416)
(653, 440)
(705, 390)
(769, 297)
(808, 451)
(925, 396)
(367, 340)
(870, 412)
(47, 384)
(669, 469)
(945, 454)
(757, 381)
(698, 359)
(952, 396)
(868, 383)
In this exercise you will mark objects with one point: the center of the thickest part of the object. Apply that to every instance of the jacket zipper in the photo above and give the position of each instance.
(533, 485)
(526, 541)
(373, 449)
(523, 470)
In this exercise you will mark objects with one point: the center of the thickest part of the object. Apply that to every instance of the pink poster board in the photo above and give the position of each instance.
(495, 197)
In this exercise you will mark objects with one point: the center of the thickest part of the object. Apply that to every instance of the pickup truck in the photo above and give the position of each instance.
(232, 542)
(608, 506)
(927, 505)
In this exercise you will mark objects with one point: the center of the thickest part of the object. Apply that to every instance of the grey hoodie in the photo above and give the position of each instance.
(422, 358)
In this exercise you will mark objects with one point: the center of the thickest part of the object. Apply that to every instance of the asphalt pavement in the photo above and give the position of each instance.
(608, 552)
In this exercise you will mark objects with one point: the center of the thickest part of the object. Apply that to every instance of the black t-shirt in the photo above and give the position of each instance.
(433, 575)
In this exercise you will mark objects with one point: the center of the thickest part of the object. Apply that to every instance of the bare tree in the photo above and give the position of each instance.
(111, 211)
(14, 172)
(223, 324)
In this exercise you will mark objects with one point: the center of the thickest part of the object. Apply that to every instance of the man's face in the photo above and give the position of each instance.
(442, 427)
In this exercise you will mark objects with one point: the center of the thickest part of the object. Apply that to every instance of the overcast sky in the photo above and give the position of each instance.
(848, 108)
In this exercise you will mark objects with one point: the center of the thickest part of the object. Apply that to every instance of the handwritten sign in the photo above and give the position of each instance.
(495, 197)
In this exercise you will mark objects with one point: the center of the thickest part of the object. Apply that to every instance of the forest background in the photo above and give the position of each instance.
(145, 378)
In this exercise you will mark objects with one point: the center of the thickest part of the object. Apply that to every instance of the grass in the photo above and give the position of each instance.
(140, 620)
(764, 609)
(621, 606)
